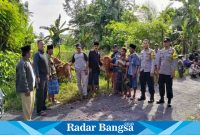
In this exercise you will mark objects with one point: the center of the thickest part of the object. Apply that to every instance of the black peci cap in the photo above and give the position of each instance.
(26, 48)
(96, 43)
(132, 46)
(78, 46)
(49, 47)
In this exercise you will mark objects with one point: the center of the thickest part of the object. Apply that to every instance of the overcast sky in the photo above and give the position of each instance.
(46, 11)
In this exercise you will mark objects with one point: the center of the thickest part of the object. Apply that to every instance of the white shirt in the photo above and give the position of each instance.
(80, 63)
(32, 73)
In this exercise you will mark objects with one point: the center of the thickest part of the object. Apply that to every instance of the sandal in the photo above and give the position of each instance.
(42, 113)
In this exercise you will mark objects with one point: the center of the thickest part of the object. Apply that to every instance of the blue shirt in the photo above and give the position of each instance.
(134, 63)
(115, 56)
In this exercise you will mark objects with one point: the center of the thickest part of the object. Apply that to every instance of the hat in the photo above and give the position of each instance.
(180, 56)
(96, 43)
(167, 39)
(26, 48)
(49, 47)
(132, 46)
(78, 45)
(115, 45)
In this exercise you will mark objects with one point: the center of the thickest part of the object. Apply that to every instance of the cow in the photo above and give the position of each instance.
(63, 69)
(107, 67)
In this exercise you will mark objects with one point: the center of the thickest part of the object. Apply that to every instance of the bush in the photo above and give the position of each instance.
(14, 28)
(7, 66)
(7, 78)
(178, 48)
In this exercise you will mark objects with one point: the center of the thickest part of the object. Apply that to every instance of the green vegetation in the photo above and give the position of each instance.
(109, 21)
(123, 22)
(14, 28)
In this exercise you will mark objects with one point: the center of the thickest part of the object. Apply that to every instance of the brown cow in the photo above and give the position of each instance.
(106, 61)
(63, 69)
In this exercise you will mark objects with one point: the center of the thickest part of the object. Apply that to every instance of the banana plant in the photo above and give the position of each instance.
(54, 32)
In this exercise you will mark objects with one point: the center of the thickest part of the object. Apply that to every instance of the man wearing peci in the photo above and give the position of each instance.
(25, 82)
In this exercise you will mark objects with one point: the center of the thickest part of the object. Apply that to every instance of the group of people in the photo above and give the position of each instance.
(192, 63)
(146, 65)
(41, 74)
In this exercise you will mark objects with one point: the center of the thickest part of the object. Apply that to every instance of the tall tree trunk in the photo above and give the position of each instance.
(59, 52)
(184, 46)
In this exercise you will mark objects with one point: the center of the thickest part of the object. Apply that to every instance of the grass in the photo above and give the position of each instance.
(69, 91)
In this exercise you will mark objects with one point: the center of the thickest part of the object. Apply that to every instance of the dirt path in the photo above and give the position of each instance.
(186, 103)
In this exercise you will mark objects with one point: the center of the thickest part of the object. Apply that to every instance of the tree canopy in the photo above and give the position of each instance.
(122, 22)
(15, 30)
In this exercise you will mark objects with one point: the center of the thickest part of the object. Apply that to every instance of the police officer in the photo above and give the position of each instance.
(166, 68)
(147, 71)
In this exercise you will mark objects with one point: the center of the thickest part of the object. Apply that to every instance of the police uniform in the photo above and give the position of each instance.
(166, 66)
(147, 58)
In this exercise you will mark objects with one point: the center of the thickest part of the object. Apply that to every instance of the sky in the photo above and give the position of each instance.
(46, 11)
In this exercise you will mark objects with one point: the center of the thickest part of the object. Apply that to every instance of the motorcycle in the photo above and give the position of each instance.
(2, 101)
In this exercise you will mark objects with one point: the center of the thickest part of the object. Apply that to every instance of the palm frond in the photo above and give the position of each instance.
(45, 27)
(47, 37)
(63, 30)
(57, 22)
(62, 25)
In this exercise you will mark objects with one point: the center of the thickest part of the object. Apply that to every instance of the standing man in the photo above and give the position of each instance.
(80, 61)
(25, 82)
(180, 66)
(122, 72)
(166, 68)
(41, 71)
(94, 67)
(53, 85)
(147, 71)
(133, 67)
(115, 57)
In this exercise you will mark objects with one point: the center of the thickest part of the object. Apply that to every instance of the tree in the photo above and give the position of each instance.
(14, 28)
(134, 32)
(186, 23)
(54, 31)
(91, 19)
